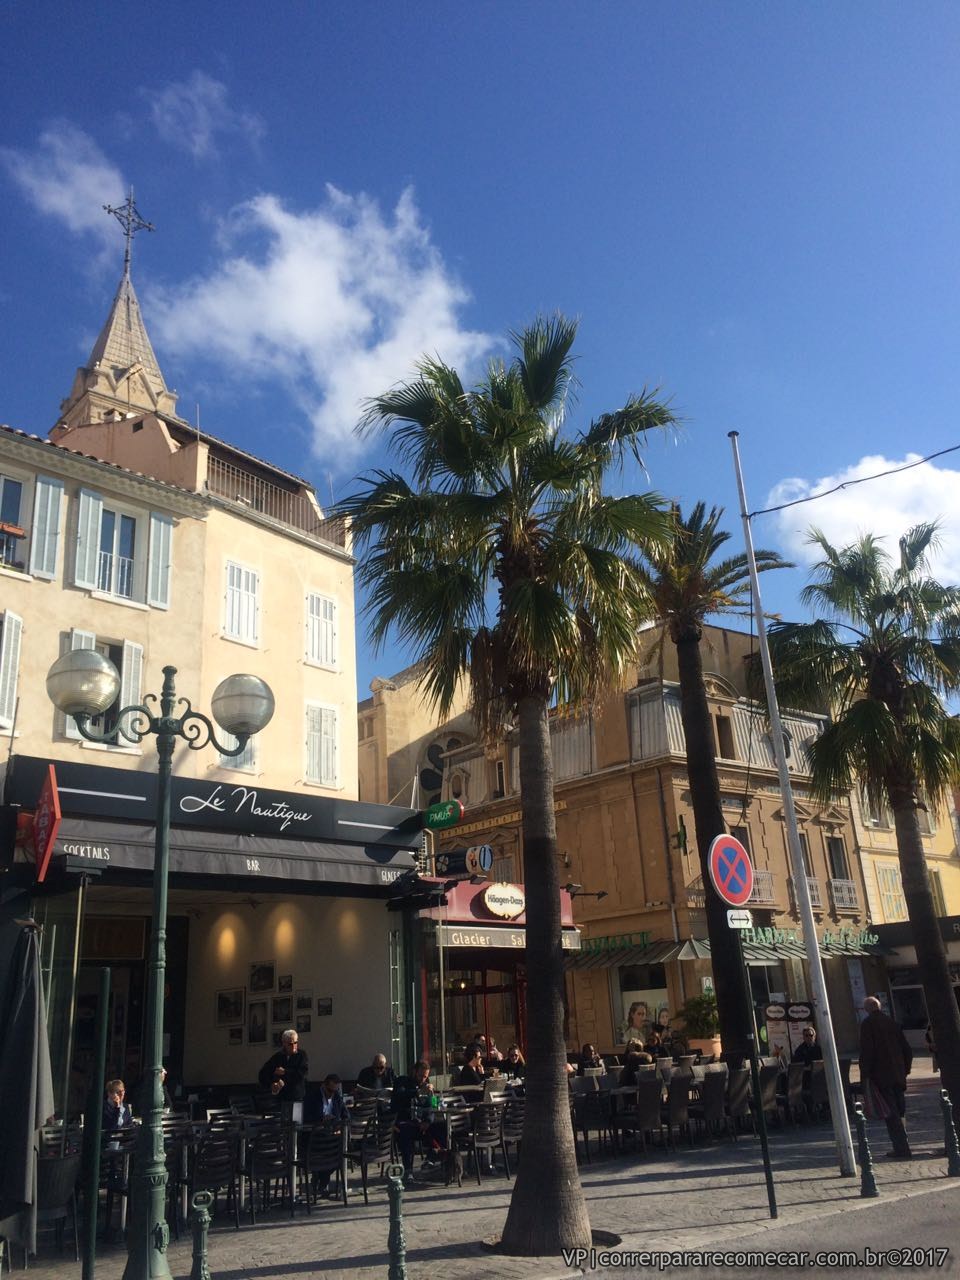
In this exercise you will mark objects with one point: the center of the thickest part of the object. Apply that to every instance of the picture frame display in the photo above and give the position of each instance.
(304, 1002)
(303, 1023)
(257, 1022)
(262, 975)
(324, 1006)
(230, 1007)
(235, 1035)
(285, 982)
(282, 1009)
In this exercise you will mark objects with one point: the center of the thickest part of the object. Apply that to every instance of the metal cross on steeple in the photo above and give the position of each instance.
(128, 215)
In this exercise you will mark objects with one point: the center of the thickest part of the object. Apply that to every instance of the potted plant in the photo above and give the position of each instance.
(701, 1022)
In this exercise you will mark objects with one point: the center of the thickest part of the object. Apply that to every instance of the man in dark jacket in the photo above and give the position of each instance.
(808, 1051)
(885, 1062)
(285, 1074)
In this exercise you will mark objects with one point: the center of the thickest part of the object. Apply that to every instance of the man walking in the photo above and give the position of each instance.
(285, 1074)
(885, 1062)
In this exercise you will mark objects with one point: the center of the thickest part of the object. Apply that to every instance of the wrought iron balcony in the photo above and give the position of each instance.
(288, 507)
(115, 574)
(763, 891)
(816, 894)
(844, 895)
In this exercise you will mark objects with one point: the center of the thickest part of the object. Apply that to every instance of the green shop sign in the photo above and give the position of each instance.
(615, 942)
(770, 937)
(849, 938)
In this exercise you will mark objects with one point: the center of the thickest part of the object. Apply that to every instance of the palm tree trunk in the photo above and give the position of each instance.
(931, 953)
(548, 1211)
(735, 1014)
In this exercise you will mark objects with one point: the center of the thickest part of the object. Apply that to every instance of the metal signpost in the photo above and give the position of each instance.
(731, 874)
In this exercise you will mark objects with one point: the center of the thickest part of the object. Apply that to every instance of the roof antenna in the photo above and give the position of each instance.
(198, 421)
(128, 215)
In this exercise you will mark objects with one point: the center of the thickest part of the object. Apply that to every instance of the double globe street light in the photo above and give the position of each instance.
(83, 684)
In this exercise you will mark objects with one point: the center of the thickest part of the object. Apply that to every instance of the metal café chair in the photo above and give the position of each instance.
(57, 1195)
(321, 1154)
(675, 1112)
(268, 1161)
(486, 1134)
(375, 1148)
(711, 1111)
(738, 1098)
(512, 1128)
(216, 1168)
(644, 1116)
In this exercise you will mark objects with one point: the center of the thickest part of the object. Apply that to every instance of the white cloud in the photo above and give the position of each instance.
(885, 507)
(69, 178)
(331, 306)
(190, 114)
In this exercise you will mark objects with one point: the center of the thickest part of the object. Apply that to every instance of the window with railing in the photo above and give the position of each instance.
(763, 887)
(816, 896)
(844, 894)
(118, 537)
(11, 532)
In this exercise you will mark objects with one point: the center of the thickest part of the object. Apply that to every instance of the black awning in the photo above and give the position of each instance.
(105, 845)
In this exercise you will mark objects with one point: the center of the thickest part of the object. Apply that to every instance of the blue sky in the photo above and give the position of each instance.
(751, 206)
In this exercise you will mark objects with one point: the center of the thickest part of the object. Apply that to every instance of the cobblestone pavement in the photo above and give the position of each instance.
(696, 1197)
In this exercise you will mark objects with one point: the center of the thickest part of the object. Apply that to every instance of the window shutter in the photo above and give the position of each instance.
(89, 514)
(158, 568)
(314, 744)
(242, 606)
(76, 640)
(329, 632)
(328, 731)
(246, 760)
(45, 536)
(9, 667)
(131, 679)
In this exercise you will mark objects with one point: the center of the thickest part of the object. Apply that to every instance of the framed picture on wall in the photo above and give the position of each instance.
(304, 1002)
(303, 1022)
(257, 1022)
(235, 1035)
(282, 1009)
(230, 1007)
(324, 1006)
(262, 975)
(285, 982)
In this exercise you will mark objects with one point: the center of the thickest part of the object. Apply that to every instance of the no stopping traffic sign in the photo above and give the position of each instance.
(731, 871)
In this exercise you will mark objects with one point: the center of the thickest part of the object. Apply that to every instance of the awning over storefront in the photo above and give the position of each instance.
(652, 953)
(104, 845)
(472, 935)
(784, 947)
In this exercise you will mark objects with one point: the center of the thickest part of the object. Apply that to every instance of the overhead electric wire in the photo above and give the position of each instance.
(765, 511)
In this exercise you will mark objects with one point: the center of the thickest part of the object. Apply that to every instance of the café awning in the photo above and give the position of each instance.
(615, 957)
(102, 845)
(756, 953)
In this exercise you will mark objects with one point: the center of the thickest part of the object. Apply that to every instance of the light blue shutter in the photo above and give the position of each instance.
(77, 640)
(131, 678)
(329, 644)
(9, 666)
(314, 744)
(158, 568)
(45, 536)
(89, 514)
(328, 732)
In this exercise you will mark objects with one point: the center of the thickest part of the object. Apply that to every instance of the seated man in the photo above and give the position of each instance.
(590, 1058)
(408, 1092)
(472, 1070)
(515, 1063)
(377, 1076)
(116, 1110)
(332, 1108)
(808, 1051)
(630, 1071)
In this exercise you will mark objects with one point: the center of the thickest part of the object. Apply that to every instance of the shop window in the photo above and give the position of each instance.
(892, 901)
(837, 858)
(242, 604)
(321, 645)
(725, 747)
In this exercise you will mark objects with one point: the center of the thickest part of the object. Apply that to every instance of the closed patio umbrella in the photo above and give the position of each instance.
(26, 1082)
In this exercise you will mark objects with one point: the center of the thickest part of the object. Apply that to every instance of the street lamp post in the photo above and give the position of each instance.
(82, 684)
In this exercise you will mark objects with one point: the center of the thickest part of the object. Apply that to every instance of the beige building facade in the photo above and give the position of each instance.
(626, 840)
(130, 531)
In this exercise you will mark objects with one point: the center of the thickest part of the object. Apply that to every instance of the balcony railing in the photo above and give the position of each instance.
(293, 509)
(762, 887)
(816, 895)
(844, 894)
(115, 574)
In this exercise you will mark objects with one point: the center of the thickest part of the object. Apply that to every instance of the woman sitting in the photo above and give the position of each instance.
(590, 1059)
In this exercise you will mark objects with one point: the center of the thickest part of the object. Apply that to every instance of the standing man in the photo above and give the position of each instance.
(885, 1062)
(285, 1074)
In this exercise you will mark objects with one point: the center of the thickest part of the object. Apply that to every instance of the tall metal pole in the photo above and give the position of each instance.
(71, 1012)
(92, 1132)
(149, 1234)
(838, 1106)
(761, 1115)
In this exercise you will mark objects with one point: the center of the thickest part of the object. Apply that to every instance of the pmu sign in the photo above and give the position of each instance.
(731, 871)
(445, 814)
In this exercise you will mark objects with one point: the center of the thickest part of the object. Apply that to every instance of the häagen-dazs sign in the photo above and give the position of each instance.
(504, 900)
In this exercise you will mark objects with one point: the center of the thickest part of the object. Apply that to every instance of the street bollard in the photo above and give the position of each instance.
(397, 1245)
(200, 1221)
(950, 1136)
(868, 1183)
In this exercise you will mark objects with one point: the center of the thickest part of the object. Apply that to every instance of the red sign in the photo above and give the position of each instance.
(46, 823)
(731, 871)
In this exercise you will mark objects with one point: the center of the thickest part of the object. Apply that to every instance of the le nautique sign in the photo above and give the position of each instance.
(222, 829)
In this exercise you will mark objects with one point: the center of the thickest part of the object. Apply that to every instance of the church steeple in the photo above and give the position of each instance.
(122, 375)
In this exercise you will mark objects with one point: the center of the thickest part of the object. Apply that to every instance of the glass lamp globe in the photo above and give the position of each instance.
(83, 683)
(242, 704)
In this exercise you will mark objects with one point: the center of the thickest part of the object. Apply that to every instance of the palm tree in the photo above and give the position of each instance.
(883, 659)
(503, 563)
(687, 587)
